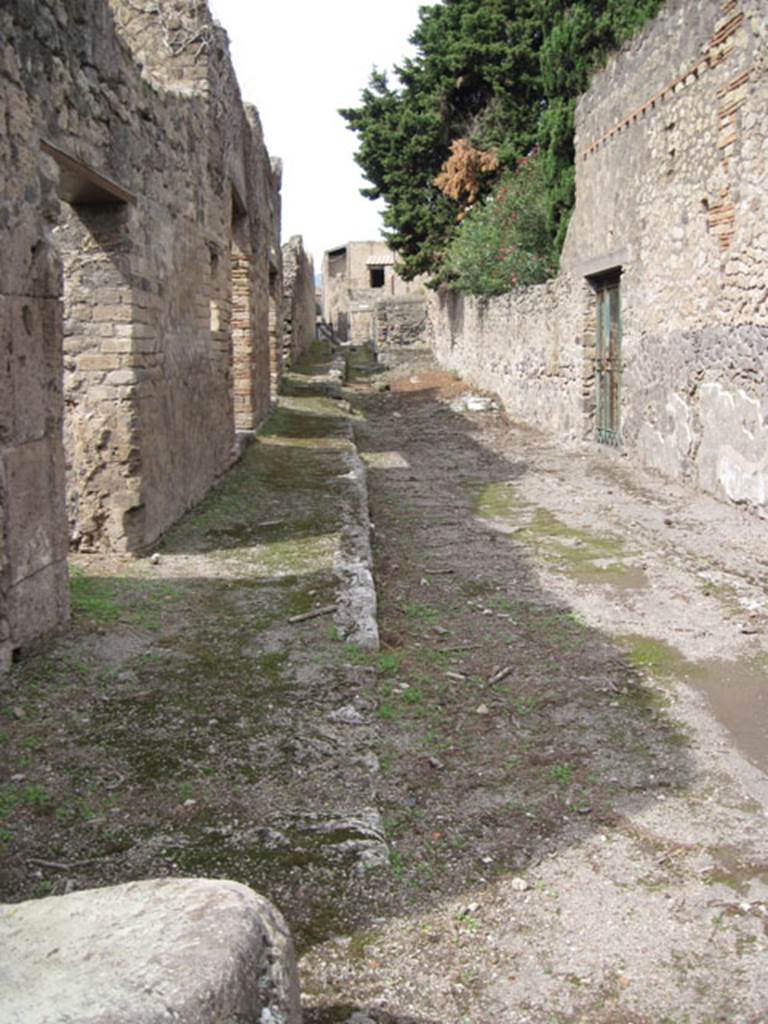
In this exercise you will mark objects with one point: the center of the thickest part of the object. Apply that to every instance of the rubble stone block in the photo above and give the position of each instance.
(191, 951)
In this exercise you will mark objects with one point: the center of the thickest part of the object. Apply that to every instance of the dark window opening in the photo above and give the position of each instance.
(81, 185)
(239, 210)
(337, 262)
(376, 277)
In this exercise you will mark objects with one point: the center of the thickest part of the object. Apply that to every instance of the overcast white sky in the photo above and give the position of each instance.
(298, 61)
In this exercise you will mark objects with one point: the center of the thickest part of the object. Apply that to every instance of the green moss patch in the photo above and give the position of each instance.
(588, 557)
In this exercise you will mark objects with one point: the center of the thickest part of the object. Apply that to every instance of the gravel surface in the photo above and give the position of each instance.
(604, 801)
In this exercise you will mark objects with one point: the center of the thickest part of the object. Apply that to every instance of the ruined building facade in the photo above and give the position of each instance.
(139, 226)
(299, 313)
(365, 299)
(654, 337)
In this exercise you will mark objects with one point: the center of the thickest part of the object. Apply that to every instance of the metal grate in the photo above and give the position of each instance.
(607, 436)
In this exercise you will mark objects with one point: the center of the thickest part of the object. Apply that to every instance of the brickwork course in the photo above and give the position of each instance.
(671, 185)
(139, 223)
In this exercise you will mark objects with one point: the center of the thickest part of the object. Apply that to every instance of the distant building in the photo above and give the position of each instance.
(357, 279)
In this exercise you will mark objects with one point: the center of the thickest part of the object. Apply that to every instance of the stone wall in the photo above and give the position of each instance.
(138, 213)
(527, 347)
(671, 186)
(299, 311)
(400, 321)
(271, 240)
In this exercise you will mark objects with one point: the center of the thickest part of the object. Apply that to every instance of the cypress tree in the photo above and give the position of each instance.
(503, 75)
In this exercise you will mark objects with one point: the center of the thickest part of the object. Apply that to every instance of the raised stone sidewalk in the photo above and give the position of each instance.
(268, 580)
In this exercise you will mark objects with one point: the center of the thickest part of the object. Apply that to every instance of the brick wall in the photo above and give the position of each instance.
(138, 215)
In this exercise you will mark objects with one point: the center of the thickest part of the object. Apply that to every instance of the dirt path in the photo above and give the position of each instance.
(575, 836)
(523, 808)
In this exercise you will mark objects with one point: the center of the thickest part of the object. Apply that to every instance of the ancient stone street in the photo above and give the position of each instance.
(540, 798)
(388, 644)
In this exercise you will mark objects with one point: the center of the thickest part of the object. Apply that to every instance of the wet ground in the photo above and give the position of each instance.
(542, 799)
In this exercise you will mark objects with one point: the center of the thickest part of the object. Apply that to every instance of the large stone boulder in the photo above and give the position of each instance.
(187, 951)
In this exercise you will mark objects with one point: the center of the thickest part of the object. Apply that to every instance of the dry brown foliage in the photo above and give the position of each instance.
(460, 177)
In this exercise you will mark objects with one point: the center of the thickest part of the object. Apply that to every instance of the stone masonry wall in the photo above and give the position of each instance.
(671, 186)
(672, 180)
(527, 347)
(298, 300)
(400, 321)
(271, 240)
(137, 203)
(334, 292)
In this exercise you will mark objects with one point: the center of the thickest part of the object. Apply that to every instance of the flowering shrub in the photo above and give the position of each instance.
(503, 241)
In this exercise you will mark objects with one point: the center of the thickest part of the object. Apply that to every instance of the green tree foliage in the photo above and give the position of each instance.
(503, 74)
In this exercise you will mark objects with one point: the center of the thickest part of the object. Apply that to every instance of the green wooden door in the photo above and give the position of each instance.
(608, 362)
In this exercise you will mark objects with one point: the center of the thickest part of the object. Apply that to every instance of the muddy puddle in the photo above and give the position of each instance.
(737, 693)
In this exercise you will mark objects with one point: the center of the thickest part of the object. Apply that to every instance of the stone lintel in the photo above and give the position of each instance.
(606, 262)
(80, 183)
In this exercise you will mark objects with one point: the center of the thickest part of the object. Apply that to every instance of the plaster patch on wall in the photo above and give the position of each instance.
(668, 450)
(385, 460)
(733, 454)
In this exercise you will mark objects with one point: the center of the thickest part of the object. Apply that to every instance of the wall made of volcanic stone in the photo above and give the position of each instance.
(400, 322)
(33, 535)
(116, 308)
(671, 187)
(527, 347)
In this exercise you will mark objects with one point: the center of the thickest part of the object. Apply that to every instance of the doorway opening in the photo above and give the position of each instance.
(608, 360)
(103, 464)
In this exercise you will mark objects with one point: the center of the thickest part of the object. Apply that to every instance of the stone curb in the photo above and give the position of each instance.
(357, 613)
